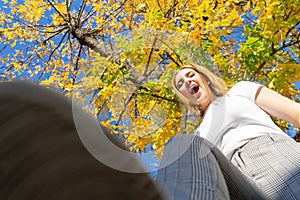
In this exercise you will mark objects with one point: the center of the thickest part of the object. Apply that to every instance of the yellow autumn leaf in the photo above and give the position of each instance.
(14, 43)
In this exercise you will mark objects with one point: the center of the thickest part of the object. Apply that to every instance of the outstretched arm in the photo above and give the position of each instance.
(278, 105)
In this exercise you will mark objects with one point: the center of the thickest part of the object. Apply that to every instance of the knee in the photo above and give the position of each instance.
(186, 141)
(184, 147)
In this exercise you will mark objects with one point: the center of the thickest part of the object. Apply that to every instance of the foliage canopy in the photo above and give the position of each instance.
(117, 57)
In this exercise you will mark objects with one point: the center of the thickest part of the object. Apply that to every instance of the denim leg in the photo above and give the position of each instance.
(192, 168)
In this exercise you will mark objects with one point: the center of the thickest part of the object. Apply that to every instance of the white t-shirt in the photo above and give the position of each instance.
(234, 119)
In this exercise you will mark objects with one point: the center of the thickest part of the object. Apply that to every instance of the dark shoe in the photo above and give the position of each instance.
(42, 156)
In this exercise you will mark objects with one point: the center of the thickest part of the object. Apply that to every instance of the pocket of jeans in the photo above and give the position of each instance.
(237, 160)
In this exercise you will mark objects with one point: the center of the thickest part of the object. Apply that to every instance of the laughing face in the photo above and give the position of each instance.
(194, 87)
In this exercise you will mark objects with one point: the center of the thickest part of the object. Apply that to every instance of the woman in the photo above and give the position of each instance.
(237, 124)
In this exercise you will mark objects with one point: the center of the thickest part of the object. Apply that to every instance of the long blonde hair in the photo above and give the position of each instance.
(217, 85)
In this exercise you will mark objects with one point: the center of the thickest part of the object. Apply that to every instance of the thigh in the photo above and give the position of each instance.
(273, 162)
(201, 171)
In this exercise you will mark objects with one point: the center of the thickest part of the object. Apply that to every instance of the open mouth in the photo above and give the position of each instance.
(195, 89)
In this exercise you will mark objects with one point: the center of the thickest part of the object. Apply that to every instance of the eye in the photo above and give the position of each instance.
(191, 74)
(179, 84)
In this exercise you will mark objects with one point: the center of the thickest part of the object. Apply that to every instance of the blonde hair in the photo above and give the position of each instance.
(216, 85)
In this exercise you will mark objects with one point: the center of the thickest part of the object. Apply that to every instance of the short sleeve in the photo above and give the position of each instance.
(245, 89)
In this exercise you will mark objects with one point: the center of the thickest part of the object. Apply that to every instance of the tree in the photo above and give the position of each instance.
(117, 57)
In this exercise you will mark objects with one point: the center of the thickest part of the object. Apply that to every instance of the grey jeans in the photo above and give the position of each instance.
(273, 163)
(193, 168)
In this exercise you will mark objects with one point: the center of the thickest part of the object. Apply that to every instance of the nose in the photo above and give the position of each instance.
(188, 81)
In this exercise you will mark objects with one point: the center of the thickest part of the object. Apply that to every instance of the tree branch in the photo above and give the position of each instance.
(149, 57)
(272, 54)
(52, 5)
(60, 42)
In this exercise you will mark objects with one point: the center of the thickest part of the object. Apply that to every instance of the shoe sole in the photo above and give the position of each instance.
(42, 156)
